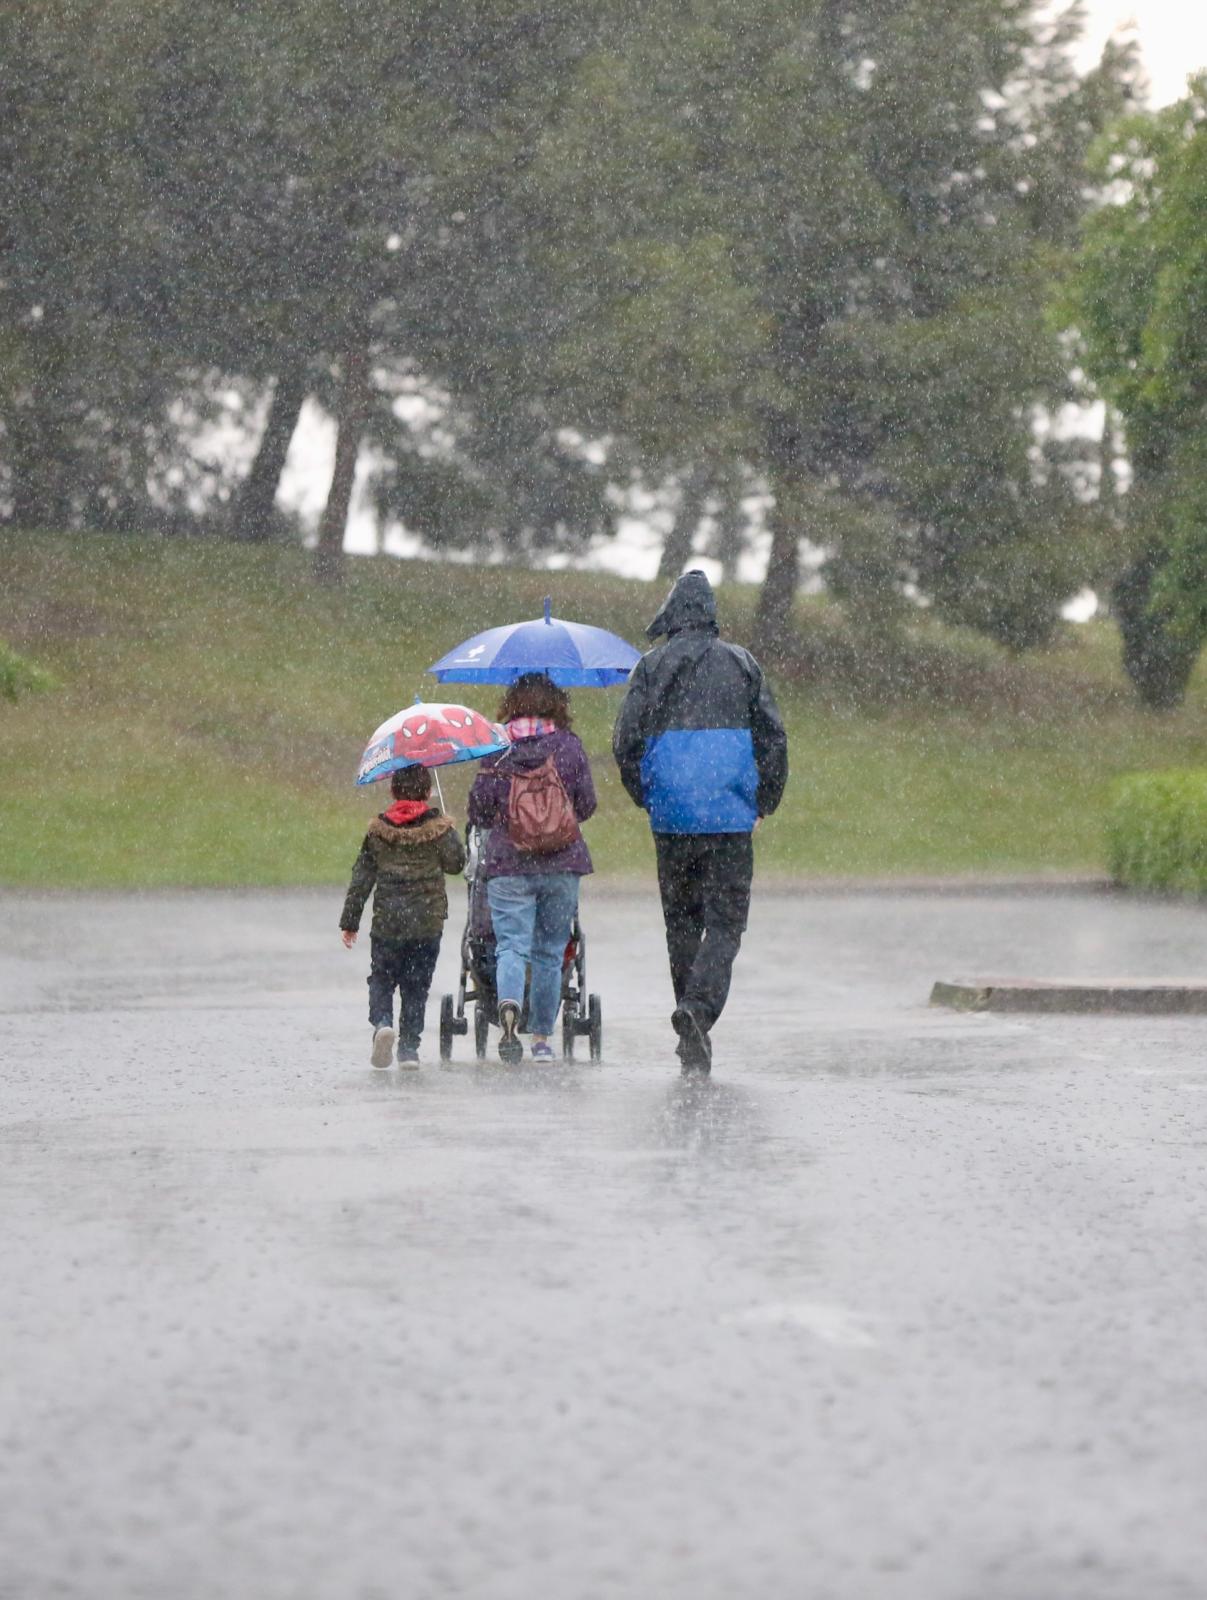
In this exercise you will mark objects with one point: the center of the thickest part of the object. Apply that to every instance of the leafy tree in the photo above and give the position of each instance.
(398, 250)
(1138, 300)
(302, 196)
(142, 261)
(82, 401)
(805, 234)
(250, 133)
(783, 241)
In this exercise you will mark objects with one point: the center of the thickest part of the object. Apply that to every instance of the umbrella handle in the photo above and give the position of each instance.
(439, 790)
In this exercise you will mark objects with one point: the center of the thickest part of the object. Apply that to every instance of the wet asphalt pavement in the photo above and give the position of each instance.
(902, 1303)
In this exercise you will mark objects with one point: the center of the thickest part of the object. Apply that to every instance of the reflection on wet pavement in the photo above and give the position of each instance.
(898, 1303)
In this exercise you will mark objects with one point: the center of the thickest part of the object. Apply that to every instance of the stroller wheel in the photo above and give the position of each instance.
(569, 1029)
(447, 1028)
(595, 1026)
(481, 1028)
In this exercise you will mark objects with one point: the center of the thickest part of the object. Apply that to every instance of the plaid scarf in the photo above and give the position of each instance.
(530, 727)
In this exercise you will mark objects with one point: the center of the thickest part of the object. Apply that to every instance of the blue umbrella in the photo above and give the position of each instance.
(571, 653)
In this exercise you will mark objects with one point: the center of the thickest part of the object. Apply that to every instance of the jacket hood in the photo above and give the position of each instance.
(690, 604)
(424, 831)
(404, 811)
(523, 755)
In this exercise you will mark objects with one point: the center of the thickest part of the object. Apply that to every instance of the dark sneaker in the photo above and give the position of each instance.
(542, 1050)
(408, 1056)
(510, 1048)
(383, 1047)
(695, 1047)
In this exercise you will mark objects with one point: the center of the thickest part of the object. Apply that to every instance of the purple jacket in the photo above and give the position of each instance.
(488, 804)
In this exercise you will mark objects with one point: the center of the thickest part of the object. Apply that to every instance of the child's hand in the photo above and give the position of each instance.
(349, 938)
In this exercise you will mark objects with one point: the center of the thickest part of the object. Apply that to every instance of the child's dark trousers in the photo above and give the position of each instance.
(406, 965)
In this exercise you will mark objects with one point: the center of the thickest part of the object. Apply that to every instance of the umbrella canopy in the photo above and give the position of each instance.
(429, 734)
(571, 653)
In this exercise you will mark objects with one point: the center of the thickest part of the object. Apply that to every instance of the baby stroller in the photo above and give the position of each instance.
(582, 1014)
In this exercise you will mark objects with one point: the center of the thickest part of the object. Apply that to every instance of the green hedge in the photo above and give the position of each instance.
(19, 676)
(1157, 831)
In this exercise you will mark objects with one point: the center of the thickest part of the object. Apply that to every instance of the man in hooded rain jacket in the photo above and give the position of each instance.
(700, 747)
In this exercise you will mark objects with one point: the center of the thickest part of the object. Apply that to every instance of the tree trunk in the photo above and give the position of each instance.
(773, 619)
(251, 516)
(677, 550)
(353, 404)
(1106, 463)
(783, 449)
(40, 462)
(1157, 659)
(730, 528)
(40, 447)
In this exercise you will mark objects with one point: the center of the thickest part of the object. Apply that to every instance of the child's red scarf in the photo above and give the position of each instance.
(404, 811)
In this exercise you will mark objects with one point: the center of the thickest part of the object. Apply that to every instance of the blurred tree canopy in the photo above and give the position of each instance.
(84, 393)
(273, 196)
(531, 253)
(1138, 300)
(815, 237)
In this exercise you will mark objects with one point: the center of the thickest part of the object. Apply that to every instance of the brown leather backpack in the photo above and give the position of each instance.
(540, 817)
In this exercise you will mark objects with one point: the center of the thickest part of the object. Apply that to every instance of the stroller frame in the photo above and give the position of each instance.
(581, 1012)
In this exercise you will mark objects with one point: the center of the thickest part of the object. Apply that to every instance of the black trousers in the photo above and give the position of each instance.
(704, 880)
(406, 965)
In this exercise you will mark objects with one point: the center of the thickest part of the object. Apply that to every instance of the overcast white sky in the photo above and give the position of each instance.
(1173, 38)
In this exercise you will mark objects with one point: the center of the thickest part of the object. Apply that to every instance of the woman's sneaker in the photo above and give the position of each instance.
(383, 1047)
(510, 1048)
(408, 1056)
(542, 1050)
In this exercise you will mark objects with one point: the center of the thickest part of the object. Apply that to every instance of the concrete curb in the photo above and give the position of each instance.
(769, 885)
(964, 886)
(1107, 998)
(969, 885)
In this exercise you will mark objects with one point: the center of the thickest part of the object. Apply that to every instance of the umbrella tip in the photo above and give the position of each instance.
(548, 608)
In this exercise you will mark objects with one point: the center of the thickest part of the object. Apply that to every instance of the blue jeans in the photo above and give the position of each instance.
(532, 915)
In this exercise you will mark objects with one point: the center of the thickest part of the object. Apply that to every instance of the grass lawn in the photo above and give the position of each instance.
(212, 704)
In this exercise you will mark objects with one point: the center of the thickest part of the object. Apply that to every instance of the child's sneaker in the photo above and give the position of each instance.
(383, 1047)
(542, 1050)
(510, 1048)
(408, 1056)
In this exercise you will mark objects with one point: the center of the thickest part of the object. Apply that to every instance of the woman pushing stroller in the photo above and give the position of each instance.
(532, 799)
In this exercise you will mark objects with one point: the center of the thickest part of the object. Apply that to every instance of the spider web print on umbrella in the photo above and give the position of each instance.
(429, 734)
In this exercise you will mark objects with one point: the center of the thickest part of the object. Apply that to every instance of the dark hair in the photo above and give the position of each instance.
(535, 695)
(410, 783)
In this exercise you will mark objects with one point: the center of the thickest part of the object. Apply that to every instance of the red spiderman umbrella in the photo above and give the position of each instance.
(429, 734)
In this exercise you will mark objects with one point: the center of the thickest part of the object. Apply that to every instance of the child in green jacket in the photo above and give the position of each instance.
(402, 862)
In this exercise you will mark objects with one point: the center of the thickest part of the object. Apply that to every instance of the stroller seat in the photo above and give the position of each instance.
(581, 1013)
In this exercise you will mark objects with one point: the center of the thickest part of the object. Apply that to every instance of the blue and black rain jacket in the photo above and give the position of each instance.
(699, 740)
